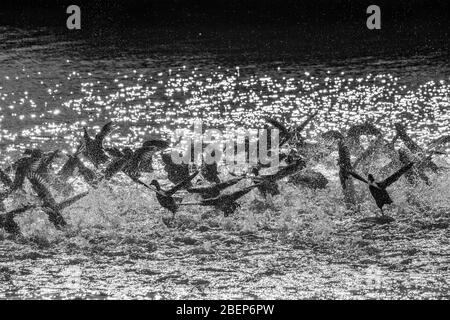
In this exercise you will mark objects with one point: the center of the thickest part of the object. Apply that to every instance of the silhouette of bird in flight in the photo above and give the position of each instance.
(131, 162)
(50, 206)
(378, 189)
(165, 197)
(92, 148)
(290, 134)
(227, 203)
(208, 192)
(74, 163)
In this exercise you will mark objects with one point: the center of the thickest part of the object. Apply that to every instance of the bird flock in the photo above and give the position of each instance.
(35, 166)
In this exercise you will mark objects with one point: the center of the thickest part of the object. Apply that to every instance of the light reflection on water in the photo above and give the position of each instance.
(47, 102)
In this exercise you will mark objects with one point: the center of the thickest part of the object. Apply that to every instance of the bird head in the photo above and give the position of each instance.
(255, 171)
(371, 178)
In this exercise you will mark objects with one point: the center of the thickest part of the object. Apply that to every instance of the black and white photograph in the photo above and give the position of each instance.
(224, 150)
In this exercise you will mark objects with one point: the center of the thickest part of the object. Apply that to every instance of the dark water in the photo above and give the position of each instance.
(147, 80)
(154, 81)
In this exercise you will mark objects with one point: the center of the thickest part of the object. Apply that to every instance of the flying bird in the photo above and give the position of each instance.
(208, 192)
(290, 134)
(165, 197)
(227, 203)
(93, 147)
(131, 162)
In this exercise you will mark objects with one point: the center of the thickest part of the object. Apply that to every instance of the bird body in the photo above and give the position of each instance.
(210, 172)
(165, 197)
(93, 148)
(380, 195)
(378, 189)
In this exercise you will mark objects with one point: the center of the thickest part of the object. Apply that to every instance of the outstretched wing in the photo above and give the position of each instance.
(143, 156)
(278, 125)
(68, 168)
(106, 130)
(218, 186)
(41, 188)
(390, 180)
(116, 166)
(227, 184)
(182, 184)
(114, 152)
(22, 168)
(230, 197)
(68, 202)
(357, 176)
(289, 169)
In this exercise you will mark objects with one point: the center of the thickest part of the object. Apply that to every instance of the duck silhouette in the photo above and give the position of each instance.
(292, 134)
(165, 197)
(93, 147)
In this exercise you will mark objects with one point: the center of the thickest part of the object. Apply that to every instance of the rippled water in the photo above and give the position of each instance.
(150, 83)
